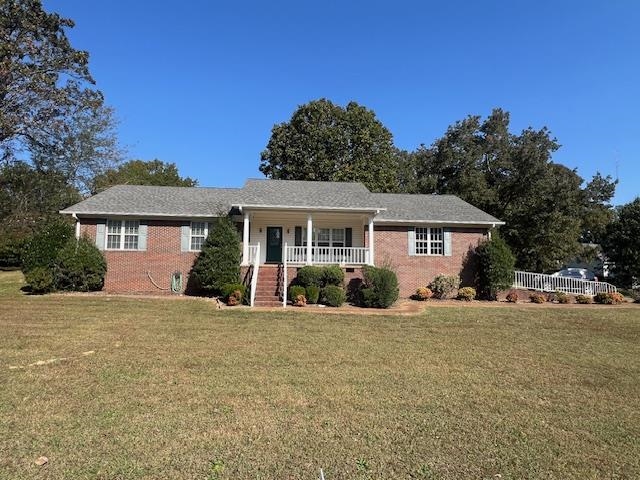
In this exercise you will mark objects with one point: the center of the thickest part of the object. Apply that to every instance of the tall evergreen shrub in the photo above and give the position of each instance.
(496, 265)
(219, 261)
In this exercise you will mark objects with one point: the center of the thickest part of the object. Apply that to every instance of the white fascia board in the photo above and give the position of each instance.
(310, 208)
(438, 222)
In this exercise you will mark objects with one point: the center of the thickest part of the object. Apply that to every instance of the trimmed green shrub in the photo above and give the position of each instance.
(219, 260)
(295, 291)
(79, 266)
(496, 265)
(467, 294)
(563, 297)
(40, 280)
(333, 296)
(332, 275)
(512, 297)
(237, 290)
(379, 288)
(537, 298)
(584, 299)
(310, 275)
(312, 294)
(41, 250)
(444, 285)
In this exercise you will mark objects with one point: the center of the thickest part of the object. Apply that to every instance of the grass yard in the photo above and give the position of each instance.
(174, 389)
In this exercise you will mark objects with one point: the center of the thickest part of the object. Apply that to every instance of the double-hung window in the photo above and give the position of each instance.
(199, 232)
(429, 241)
(325, 237)
(122, 234)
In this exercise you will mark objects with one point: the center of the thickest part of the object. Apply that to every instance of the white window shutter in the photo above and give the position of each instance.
(446, 232)
(411, 237)
(100, 234)
(142, 235)
(185, 231)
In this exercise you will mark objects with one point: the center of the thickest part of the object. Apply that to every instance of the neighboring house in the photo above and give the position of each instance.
(148, 233)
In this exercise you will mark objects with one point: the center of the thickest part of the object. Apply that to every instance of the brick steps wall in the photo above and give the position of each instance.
(267, 288)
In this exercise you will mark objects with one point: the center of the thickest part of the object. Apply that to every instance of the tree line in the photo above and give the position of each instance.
(552, 214)
(59, 143)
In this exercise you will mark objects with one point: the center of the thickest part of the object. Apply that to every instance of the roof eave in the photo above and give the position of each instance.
(441, 222)
(309, 208)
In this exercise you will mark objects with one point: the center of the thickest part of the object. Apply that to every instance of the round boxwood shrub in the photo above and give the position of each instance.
(512, 297)
(80, 266)
(333, 296)
(563, 297)
(379, 287)
(40, 280)
(332, 275)
(41, 250)
(310, 275)
(312, 294)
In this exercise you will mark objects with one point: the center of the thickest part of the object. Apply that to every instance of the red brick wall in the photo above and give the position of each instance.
(391, 246)
(127, 270)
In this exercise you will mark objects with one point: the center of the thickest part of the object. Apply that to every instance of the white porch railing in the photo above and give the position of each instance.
(328, 255)
(254, 252)
(256, 267)
(551, 283)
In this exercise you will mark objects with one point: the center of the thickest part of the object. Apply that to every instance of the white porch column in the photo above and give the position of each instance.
(309, 238)
(245, 239)
(371, 255)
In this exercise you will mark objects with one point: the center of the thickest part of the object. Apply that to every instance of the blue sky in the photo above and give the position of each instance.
(201, 83)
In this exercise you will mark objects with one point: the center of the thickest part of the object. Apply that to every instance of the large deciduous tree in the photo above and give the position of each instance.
(621, 243)
(87, 148)
(139, 172)
(514, 178)
(327, 142)
(44, 81)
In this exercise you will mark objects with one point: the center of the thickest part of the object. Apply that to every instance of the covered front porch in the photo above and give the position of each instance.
(307, 238)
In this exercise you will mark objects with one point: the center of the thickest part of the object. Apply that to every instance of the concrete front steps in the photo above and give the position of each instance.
(267, 294)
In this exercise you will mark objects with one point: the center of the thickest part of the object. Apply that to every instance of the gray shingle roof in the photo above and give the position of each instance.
(160, 201)
(429, 208)
(310, 194)
(210, 202)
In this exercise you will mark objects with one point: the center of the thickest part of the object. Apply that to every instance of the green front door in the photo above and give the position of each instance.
(274, 244)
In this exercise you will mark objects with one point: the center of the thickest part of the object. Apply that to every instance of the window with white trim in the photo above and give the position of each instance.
(429, 241)
(122, 234)
(325, 237)
(199, 232)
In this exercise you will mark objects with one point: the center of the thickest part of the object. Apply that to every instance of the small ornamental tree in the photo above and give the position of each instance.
(219, 261)
(496, 265)
(80, 266)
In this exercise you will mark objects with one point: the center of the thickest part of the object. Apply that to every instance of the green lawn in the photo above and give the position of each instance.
(175, 389)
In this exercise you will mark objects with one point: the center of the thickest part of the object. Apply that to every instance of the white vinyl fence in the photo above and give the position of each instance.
(551, 283)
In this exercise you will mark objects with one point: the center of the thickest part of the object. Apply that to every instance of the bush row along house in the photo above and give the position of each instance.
(149, 233)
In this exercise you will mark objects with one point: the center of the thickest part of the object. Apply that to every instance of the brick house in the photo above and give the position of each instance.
(148, 233)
